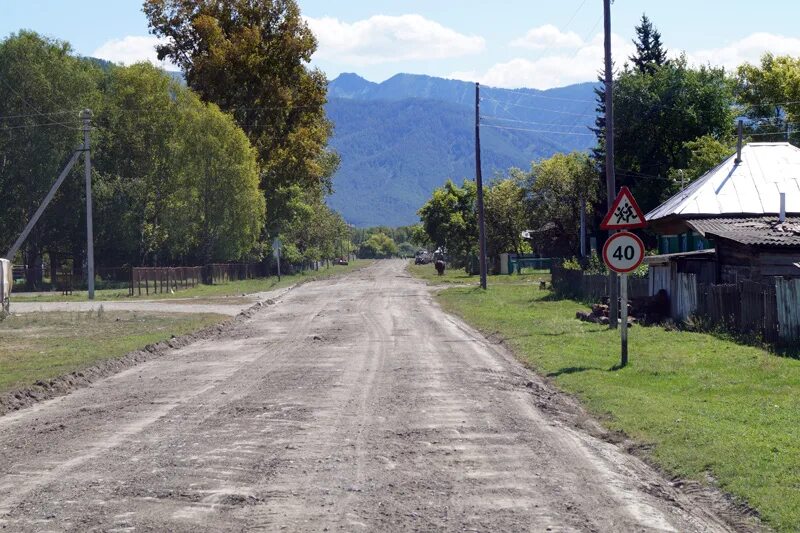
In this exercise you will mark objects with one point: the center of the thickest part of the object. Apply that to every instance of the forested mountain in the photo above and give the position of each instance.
(400, 139)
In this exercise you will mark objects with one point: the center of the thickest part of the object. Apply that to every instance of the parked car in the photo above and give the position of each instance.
(422, 257)
(340, 261)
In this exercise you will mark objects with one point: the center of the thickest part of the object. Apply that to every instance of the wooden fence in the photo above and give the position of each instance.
(224, 272)
(770, 311)
(591, 287)
(164, 279)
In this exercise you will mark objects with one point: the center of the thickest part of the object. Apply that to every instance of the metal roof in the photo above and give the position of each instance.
(761, 231)
(750, 187)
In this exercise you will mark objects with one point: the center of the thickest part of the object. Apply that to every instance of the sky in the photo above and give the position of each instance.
(504, 43)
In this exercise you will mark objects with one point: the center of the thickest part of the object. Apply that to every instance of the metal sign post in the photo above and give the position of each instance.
(623, 252)
(276, 252)
(623, 309)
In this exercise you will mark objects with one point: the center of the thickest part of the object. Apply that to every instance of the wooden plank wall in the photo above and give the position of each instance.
(683, 295)
(787, 293)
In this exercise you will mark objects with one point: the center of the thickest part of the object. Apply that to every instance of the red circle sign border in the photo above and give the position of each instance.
(611, 239)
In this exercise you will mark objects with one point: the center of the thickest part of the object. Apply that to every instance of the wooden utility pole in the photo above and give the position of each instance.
(611, 186)
(479, 183)
(86, 115)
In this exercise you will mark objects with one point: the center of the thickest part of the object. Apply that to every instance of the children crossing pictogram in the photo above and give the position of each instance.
(624, 213)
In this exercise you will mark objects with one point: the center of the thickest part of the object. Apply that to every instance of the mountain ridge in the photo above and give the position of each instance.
(403, 137)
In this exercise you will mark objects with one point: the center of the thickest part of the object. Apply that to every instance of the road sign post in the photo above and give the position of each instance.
(276, 252)
(623, 252)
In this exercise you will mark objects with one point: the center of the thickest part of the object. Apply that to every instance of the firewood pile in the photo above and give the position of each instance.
(647, 310)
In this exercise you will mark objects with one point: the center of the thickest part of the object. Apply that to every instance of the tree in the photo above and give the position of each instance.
(650, 55)
(42, 88)
(505, 214)
(705, 153)
(217, 210)
(378, 245)
(177, 179)
(250, 59)
(771, 94)
(657, 114)
(137, 128)
(449, 219)
(556, 189)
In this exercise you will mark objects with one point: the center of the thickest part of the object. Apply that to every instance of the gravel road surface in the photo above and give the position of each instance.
(353, 404)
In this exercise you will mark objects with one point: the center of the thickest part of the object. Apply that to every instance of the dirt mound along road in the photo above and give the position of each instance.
(354, 404)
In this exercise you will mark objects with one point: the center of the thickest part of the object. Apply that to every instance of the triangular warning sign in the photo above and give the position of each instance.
(624, 213)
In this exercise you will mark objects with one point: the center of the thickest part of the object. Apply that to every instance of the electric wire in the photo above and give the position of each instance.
(537, 131)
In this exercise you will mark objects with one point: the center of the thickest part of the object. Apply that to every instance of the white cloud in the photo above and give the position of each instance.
(746, 50)
(384, 39)
(131, 49)
(548, 36)
(554, 70)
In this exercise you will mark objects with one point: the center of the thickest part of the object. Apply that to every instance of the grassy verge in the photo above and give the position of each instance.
(708, 406)
(41, 346)
(232, 288)
(458, 276)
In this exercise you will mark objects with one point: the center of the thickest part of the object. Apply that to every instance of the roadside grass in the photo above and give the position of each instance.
(458, 276)
(231, 288)
(42, 346)
(707, 407)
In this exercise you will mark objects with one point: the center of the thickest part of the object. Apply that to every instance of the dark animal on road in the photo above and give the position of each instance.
(439, 266)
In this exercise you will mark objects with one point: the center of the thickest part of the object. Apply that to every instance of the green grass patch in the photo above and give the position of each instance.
(41, 346)
(231, 288)
(458, 276)
(708, 406)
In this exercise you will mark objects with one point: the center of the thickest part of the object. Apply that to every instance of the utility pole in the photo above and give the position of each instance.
(86, 115)
(479, 183)
(611, 186)
(583, 227)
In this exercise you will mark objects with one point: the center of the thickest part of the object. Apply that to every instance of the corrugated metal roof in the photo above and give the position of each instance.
(762, 231)
(751, 187)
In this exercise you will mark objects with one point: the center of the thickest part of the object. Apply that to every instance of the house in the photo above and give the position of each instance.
(739, 221)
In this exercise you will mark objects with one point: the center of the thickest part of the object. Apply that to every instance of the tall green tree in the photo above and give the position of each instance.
(43, 86)
(251, 58)
(217, 210)
(177, 179)
(650, 53)
(705, 153)
(770, 93)
(137, 129)
(379, 246)
(557, 187)
(657, 114)
(449, 219)
(505, 214)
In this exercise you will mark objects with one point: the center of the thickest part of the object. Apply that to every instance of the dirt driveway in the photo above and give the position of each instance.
(354, 404)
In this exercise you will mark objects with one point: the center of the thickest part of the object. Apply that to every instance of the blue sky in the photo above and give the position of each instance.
(509, 43)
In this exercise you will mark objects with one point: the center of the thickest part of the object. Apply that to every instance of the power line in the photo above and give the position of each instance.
(41, 114)
(557, 124)
(538, 108)
(25, 126)
(537, 131)
(39, 111)
(533, 95)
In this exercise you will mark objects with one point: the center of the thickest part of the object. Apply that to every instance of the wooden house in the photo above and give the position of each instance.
(743, 216)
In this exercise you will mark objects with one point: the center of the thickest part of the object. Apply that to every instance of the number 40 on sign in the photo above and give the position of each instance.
(623, 252)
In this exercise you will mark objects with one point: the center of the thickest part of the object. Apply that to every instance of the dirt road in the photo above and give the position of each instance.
(354, 404)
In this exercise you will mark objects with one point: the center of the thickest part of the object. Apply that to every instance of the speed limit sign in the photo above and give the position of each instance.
(623, 252)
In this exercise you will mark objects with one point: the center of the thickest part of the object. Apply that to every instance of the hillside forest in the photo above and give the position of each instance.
(673, 122)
